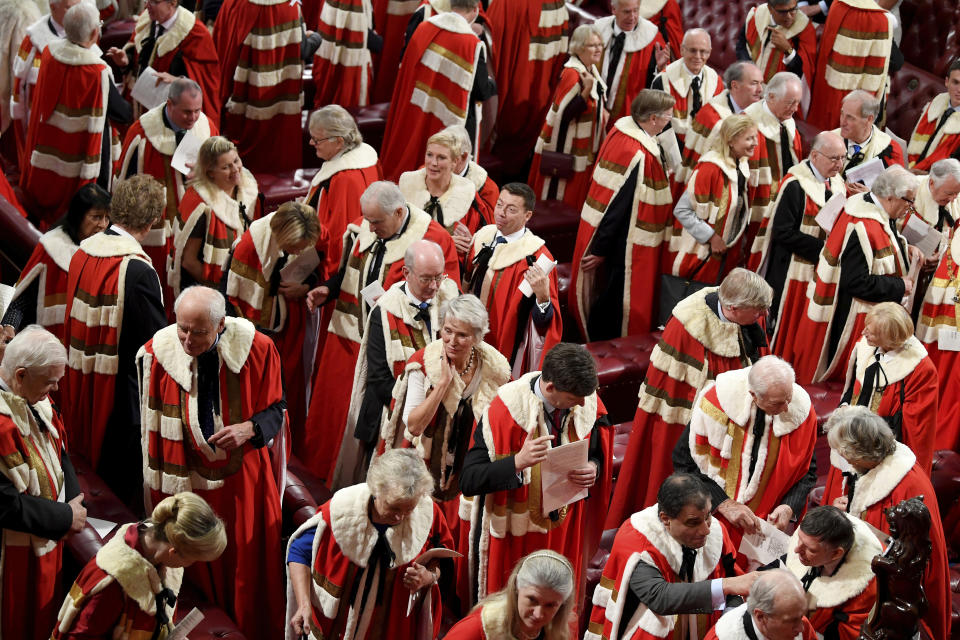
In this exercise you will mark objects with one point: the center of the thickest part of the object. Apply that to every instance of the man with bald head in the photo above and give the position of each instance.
(793, 240)
(774, 610)
(405, 320)
(689, 80)
(863, 140)
(211, 402)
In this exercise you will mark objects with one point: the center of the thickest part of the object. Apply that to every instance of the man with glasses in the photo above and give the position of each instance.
(861, 137)
(778, 37)
(405, 320)
(504, 256)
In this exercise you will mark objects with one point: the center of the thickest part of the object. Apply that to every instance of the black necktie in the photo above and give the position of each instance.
(943, 120)
(827, 193)
(741, 208)
(166, 598)
(786, 158)
(944, 216)
(851, 477)
(146, 50)
(697, 98)
(435, 210)
(686, 565)
(759, 425)
(896, 237)
(208, 391)
(382, 556)
(871, 381)
(810, 576)
(423, 314)
(480, 263)
(276, 275)
(616, 50)
(378, 249)
(748, 626)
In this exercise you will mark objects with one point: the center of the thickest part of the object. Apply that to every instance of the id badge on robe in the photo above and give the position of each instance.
(948, 340)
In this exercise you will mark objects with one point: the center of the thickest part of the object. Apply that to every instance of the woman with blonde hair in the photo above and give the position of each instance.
(712, 215)
(891, 374)
(575, 125)
(216, 209)
(536, 603)
(260, 289)
(129, 589)
(450, 199)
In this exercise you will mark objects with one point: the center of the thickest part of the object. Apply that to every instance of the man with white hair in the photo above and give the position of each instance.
(744, 87)
(778, 37)
(634, 51)
(864, 260)
(750, 440)
(405, 319)
(863, 140)
(63, 155)
(774, 610)
(779, 147)
(211, 402)
(372, 261)
(40, 499)
(689, 80)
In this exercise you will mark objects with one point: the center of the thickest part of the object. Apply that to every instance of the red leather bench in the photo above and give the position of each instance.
(945, 476)
(911, 89)
(278, 188)
(116, 33)
(298, 504)
(371, 121)
(621, 366)
(955, 601)
(313, 485)
(556, 222)
(930, 39)
(723, 20)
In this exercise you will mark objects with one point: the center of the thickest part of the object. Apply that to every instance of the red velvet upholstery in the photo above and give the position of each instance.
(494, 167)
(20, 237)
(930, 39)
(723, 19)
(595, 568)
(278, 188)
(945, 477)
(371, 120)
(298, 504)
(556, 222)
(621, 366)
(116, 33)
(911, 90)
(955, 604)
(620, 439)
(314, 486)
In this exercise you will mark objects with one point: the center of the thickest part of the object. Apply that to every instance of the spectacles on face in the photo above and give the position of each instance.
(787, 11)
(154, 3)
(316, 141)
(832, 159)
(425, 280)
(909, 201)
(703, 53)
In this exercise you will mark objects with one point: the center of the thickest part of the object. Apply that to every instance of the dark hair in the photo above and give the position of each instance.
(680, 490)
(571, 369)
(954, 66)
(830, 526)
(89, 196)
(524, 191)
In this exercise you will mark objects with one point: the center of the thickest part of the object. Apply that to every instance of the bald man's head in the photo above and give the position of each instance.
(827, 153)
(695, 49)
(424, 269)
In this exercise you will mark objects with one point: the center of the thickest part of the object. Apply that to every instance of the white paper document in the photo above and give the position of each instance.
(557, 489)
(947, 340)
(546, 265)
(102, 527)
(186, 153)
(147, 92)
(764, 547)
(671, 149)
(831, 211)
(922, 236)
(298, 269)
(866, 173)
(372, 292)
(437, 553)
(187, 624)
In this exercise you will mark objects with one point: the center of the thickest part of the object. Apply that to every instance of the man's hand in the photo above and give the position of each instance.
(316, 297)
(293, 290)
(300, 622)
(778, 40)
(739, 585)
(717, 246)
(462, 239)
(841, 503)
(584, 476)
(232, 436)
(117, 56)
(914, 254)
(591, 262)
(907, 286)
(662, 55)
(780, 517)
(854, 188)
(417, 577)
(740, 516)
(79, 514)
(533, 451)
(539, 282)
(164, 78)
(930, 264)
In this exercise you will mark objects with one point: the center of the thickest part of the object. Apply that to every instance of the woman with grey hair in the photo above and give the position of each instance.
(536, 603)
(353, 567)
(575, 126)
(870, 472)
(864, 261)
(442, 394)
(349, 167)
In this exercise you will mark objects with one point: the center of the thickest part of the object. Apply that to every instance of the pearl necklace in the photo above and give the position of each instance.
(466, 370)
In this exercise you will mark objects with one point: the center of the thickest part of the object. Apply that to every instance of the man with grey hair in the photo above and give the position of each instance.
(40, 499)
(148, 148)
(750, 440)
(211, 402)
(778, 38)
(863, 140)
(372, 262)
(63, 156)
(775, 610)
(714, 330)
(404, 320)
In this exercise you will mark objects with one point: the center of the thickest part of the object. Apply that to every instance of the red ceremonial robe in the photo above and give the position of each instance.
(629, 152)
(528, 49)
(337, 360)
(26, 68)
(911, 371)
(695, 348)
(115, 594)
(342, 65)
(722, 437)
(224, 219)
(457, 204)
(676, 81)
(731, 627)
(630, 77)
(854, 54)
(487, 190)
(643, 538)
(47, 267)
(770, 59)
(484, 622)
(188, 45)
(335, 193)
(391, 18)
(67, 125)
(708, 119)
(568, 132)
(30, 456)
(511, 523)
(895, 479)
(261, 80)
(880, 145)
(714, 194)
(342, 548)
(866, 223)
(842, 601)
(512, 334)
(238, 484)
(95, 301)
(939, 313)
(669, 20)
(928, 144)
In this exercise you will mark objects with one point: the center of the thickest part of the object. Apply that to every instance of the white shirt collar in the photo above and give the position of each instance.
(767, 109)
(692, 75)
(121, 231)
(412, 297)
(537, 391)
(816, 174)
(850, 143)
(723, 318)
(736, 108)
(169, 23)
(516, 235)
(58, 28)
(756, 629)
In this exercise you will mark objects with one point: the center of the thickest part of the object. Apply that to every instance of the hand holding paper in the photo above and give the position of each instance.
(186, 154)
(558, 490)
(765, 546)
(546, 265)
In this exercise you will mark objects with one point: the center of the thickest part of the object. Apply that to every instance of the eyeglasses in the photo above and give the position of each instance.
(154, 3)
(425, 280)
(316, 141)
(907, 200)
(787, 11)
(833, 159)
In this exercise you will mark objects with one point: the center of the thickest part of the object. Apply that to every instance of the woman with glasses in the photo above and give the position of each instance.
(576, 123)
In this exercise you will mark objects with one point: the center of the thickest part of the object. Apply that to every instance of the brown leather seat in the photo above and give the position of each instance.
(556, 222)
(278, 188)
(621, 366)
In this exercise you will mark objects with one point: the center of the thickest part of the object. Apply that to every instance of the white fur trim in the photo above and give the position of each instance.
(233, 347)
(527, 410)
(507, 254)
(140, 580)
(876, 484)
(360, 157)
(455, 202)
